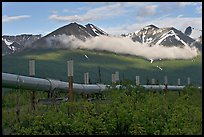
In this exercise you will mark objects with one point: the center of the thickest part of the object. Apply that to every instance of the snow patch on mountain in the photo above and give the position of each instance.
(168, 34)
(7, 42)
(94, 30)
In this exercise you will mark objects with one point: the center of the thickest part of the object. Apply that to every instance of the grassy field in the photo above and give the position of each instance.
(52, 64)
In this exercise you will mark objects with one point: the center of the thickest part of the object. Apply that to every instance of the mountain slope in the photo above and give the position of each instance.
(10, 47)
(23, 39)
(51, 63)
(95, 31)
(72, 29)
(161, 36)
(11, 44)
(5, 48)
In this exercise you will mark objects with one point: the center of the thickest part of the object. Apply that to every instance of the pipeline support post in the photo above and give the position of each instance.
(137, 80)
(165, 83)
(188, 80)
(179, 83)
(86, 78)
(113, 79)
(32, 74)
(18, 100)
(117, 79)
(153, 81)
(70, 78)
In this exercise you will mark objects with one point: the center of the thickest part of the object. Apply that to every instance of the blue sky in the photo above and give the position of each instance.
(113, 17)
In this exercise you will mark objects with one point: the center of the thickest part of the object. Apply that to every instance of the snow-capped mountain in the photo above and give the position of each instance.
(95, 31)
(23, 39)
(9, 47)
(145, 35)
(5, 48)
(11, 44)
(152, 35)
(73, 29)
(66, 35)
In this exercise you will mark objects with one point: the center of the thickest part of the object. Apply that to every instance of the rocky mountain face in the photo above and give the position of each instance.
(95, 31)
(73, 29)
(152, 35)
(11, 44)
(5, 48)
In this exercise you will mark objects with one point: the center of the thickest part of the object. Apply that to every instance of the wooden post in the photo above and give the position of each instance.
(33, 94)
(70, 78)
(70, 88)
(32, 73)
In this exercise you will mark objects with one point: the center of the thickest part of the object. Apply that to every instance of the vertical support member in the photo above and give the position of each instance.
(179, 83)
(137, 80)
(86, 78)
(165, 82)
(32, 74)
(70, 78)
(117, 79)
(188, 80)
(18, 100)
(113, 79)
(153, 81)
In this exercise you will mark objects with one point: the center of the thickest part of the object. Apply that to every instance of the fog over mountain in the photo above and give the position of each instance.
(123, 45)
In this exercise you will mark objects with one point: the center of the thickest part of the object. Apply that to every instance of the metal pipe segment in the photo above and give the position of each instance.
(39, 84)
(32, 83)
(162, 87)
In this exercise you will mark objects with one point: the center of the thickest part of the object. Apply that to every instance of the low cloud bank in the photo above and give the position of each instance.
(122, 45)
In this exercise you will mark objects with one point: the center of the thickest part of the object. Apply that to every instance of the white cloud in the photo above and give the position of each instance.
(198, 4)
(179, 16)
(54, 12)
(66, 10)
(93, 14)
(183, 4)
(123, 45)
(75, 10)
(6, 18)
(199, 10)
(73, 18)
(148, 10)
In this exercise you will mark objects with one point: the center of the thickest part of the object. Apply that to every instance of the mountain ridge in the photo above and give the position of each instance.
(168, 36)
(150, 35)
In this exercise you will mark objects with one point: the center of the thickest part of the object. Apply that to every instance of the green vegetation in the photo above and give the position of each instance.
(51, 63)
(130, 111)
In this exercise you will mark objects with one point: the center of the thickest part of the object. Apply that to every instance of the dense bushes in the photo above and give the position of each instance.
(130, 111)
